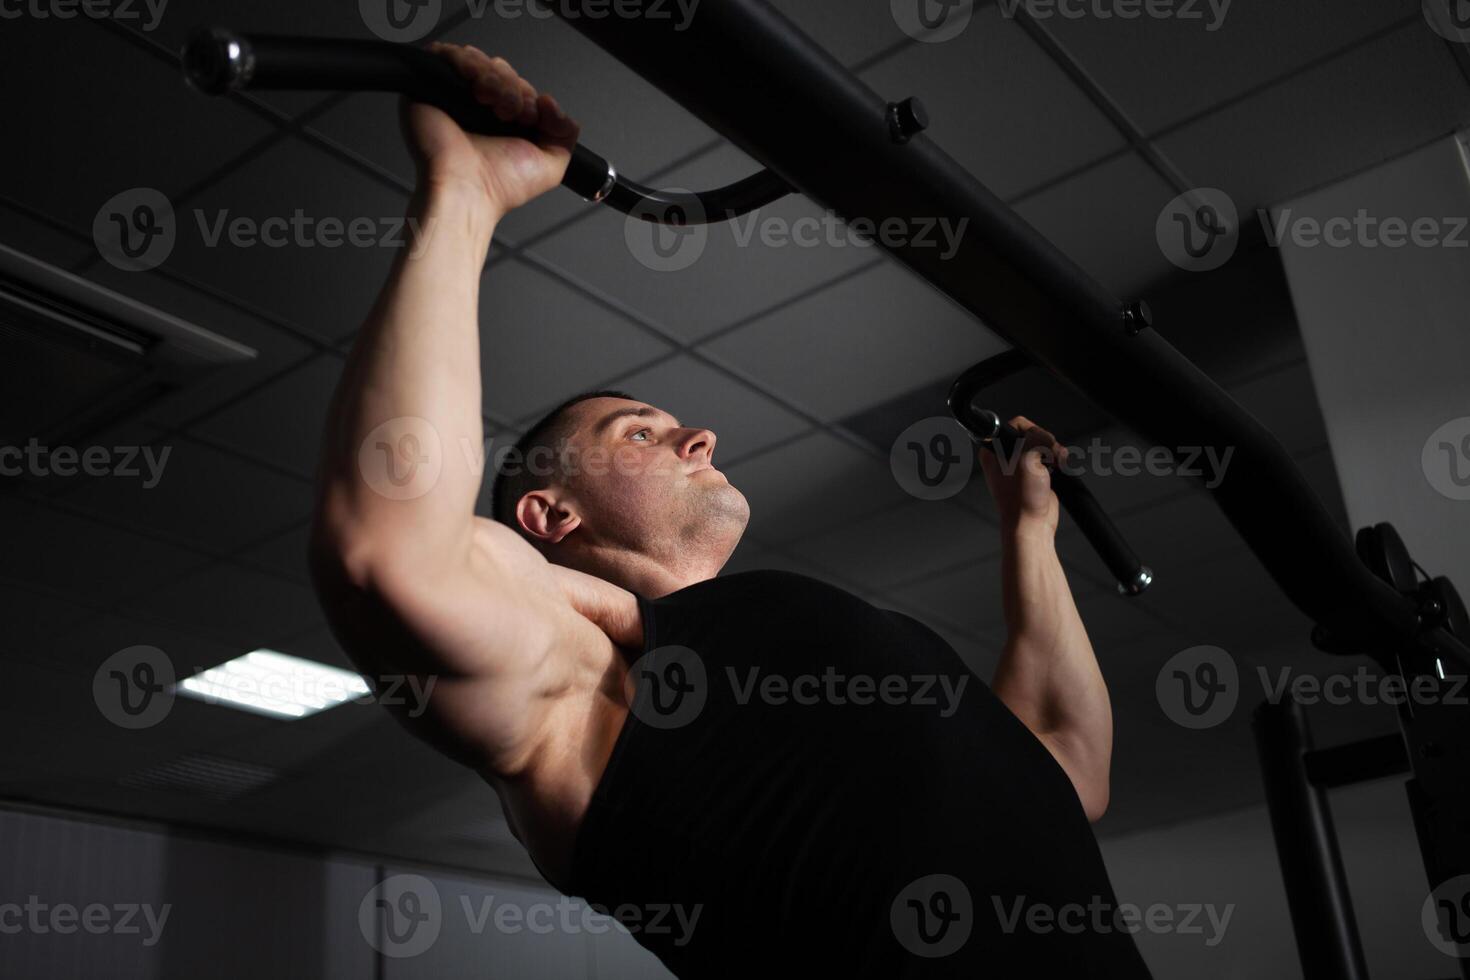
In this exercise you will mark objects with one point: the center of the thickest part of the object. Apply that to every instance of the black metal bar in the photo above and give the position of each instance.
(217, 61)
(1357, 762)
(747, 71)
(1306, 844)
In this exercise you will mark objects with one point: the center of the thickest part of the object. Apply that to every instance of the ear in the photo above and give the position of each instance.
(545, 517)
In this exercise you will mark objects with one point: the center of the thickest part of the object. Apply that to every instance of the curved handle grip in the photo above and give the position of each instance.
(1132, 575)
(217, 61)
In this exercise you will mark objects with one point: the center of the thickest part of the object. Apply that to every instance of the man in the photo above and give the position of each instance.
(798, 780)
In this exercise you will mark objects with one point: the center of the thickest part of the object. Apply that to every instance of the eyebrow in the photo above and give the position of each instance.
(645, 412)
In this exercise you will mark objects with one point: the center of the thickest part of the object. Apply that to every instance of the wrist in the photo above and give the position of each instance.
(461, 205)
(1029, 531)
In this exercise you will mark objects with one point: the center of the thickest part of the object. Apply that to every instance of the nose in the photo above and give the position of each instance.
(698, 442)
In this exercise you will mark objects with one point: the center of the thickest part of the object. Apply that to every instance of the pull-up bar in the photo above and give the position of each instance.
(748, 72)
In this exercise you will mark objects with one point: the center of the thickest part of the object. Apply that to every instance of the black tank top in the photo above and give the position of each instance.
(807, 784)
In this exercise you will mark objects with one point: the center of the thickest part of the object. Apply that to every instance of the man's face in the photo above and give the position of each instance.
(640, 480)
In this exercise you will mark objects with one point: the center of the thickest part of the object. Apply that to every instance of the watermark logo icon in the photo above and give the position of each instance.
(1446, 917)
(400, 21)
(933, 459)
(932, 21)
(402, 458)
(1450, 19)
(401, 915)
(667, 687)
(1199, 230)
(1446, 459)
(933, 916)
(1199, 687)
(671, 244)
(134, 687)
(135, 230)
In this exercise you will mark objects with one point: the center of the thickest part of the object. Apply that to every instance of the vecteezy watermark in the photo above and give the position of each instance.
(932, 916)
(1363, 230)
(38, 918)
(680, 236)
(1362, 687)
(1199, 230)
(1103, 917)
(1199, 687)
(669, 687)
(148, 12)
(402, 458)
(403, 916)
(1446, 917)
(137, 229)
(932, 21)
(36, 460)
(406, 21)
(1450, 19)
(833, 687)
(933, 459)
(1446, 459)
(1209, 13)
(133, 688)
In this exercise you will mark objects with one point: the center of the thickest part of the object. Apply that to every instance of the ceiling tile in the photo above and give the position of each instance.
(1229, 602)
(284, 554)
(275, 349)
(91, 561)
(41, 241)
(1285, 402)
(202, 496)
(743, 420)
(1209, 58)
(967, 599)
(1103, 219)
(999, 105)
(910, 541)
(1181, 530)
(1373, 104)
(134, 121)
(541, 342)
(853, 31)
(858, 343)
(235, 605)
(316, 248)
(811, 485)
(723, 272)
(281, 423)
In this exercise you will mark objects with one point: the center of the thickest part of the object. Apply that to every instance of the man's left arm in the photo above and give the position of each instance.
(1048, 674)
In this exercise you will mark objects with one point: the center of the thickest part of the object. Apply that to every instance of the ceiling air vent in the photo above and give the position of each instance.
(78, 356)
(204, 775)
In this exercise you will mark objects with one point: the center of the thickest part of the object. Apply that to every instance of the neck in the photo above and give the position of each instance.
(641, 574)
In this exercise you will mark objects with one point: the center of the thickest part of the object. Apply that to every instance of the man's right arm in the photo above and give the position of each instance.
(411, 580)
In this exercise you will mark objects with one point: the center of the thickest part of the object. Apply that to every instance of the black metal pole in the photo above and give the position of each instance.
(1306, 843)
(747, 71)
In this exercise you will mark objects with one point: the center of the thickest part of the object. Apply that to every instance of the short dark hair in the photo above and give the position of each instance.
(514, 482)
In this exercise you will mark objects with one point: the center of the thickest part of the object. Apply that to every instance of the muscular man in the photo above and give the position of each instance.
(810, 782)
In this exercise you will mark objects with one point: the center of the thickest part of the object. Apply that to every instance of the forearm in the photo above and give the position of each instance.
(1048, 674)
(410, 392)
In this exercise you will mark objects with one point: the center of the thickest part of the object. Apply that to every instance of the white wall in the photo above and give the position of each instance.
(1387, 332)
(248, 912)
(1230, 860)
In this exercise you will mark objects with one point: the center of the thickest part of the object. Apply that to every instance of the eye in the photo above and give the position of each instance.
(645, 433)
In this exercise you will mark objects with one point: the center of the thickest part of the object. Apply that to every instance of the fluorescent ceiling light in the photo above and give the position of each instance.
(274, 684)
